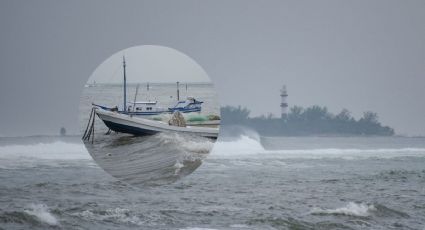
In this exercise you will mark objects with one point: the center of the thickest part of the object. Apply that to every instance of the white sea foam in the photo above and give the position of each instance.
(351, 209)
(198, 147)
(42, 213)
(246, 147)
(177, 166)
(120, 215)
(188, 143)
(58, 150)
(52, 154)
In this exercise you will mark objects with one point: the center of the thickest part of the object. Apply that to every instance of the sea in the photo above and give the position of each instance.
(246, 182)
(241, 181)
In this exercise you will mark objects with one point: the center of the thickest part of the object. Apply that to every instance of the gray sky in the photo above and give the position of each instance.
(359, 55)
(149, 63)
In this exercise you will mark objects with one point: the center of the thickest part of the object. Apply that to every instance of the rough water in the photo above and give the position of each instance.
(159, 159)
(247, 182)
(148, 160)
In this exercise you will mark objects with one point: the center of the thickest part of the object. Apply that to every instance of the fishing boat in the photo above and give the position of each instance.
(140, 126)
(141, 108)
(127, 121)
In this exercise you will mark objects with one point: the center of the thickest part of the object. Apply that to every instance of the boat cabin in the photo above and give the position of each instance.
(142, 106)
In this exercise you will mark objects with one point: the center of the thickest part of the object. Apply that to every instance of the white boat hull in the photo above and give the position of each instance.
(140, 126)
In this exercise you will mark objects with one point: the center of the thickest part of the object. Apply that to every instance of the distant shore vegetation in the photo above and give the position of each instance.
(313, 120)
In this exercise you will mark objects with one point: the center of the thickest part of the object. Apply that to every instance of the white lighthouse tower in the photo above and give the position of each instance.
(284, 103)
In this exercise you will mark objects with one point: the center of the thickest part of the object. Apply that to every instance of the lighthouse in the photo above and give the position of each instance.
(284, 103)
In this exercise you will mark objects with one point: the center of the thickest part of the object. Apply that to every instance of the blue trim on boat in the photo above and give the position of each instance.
(128, 129)
(142, 113)
(102, 107)
(185, 110)
(170, 110)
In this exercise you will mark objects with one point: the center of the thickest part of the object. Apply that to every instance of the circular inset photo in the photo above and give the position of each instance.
(149, 115)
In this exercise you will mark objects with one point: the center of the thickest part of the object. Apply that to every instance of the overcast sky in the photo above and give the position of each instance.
(359, 55)
(149, 63)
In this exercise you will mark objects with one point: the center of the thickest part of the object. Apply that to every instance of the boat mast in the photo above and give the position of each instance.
(125, 85)
(135, 97)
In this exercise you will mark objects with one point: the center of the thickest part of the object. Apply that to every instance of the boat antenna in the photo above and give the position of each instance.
(125, 85)
(178, 92)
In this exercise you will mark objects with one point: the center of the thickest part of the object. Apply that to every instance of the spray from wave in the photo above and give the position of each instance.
(53, 154)
(351, 209)
(47, 151)
(41, 212)
(243, 145)
(249, 146)
(189, 143)
(118, 215)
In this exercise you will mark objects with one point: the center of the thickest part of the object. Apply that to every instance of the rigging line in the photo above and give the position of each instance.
(92, 139)
(88, 124)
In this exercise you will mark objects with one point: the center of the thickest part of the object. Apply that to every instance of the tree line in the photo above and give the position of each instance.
(313, 120)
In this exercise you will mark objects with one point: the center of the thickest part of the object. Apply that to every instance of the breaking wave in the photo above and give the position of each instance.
(361, 210)
(41, 212)
(54, 154)
(186, 142)
(244, 145)
(247, 147)
(118, 215)
(351, 209)
(58, 150)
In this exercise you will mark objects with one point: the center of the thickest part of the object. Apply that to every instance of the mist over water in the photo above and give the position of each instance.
(248, 182)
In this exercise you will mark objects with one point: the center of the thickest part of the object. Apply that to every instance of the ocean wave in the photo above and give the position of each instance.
(247, 147)
(55, 154)
(351, 209)
(42, 213)
(117, 215)
(187, 142)
(361, 210)
(283, 223)
(244, 145)
(57, 150)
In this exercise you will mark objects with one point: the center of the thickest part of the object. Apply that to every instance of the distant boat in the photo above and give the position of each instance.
(141, 126)
(187, 106)
(150, 107)
(90, 85)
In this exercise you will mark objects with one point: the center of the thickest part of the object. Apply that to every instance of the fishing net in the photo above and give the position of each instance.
(192, 118)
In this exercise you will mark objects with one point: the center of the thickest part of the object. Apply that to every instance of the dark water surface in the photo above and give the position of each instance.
(153, 160)
(150, 160)
(283, 183)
